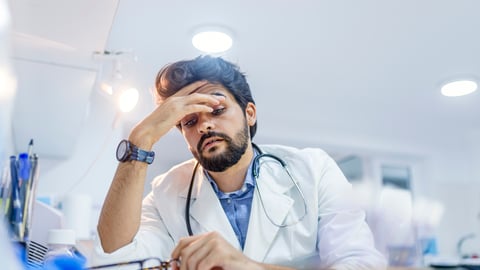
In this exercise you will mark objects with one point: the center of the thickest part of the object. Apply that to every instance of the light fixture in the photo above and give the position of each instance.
(128, 99)
(458, 88)
(212, 40)
(5, 19)
(114, 85)
(8, 84)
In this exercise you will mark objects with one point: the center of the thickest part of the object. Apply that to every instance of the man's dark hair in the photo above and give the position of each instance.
(175, 76)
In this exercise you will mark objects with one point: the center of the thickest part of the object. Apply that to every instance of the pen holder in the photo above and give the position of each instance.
(19, 180)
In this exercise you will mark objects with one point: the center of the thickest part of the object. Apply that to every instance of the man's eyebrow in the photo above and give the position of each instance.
(218, 94)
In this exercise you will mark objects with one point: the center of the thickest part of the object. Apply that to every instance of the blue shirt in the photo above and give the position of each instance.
(237, 205)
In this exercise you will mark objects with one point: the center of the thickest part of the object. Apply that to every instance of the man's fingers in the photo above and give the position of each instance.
(210, 260)
(192, 250)
(194, 255)
(190, 89)
(207, 99)
(182, 244)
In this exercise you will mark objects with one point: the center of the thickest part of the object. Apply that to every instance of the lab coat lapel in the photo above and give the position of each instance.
(271, 186)
(208, 212)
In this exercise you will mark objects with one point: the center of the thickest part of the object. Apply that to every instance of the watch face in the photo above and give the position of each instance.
(122, 152)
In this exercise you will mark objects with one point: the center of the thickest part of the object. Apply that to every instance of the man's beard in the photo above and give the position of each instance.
(235, 149)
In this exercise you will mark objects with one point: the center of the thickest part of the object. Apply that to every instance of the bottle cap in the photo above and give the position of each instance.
(61, 237)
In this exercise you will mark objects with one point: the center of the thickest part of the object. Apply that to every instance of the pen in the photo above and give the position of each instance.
(30, 148)
(23, 171)
(11, 184)
(3, 189)
(30, 197)
(6, 190)
(23, 178)
(27, 172)
(16, 206)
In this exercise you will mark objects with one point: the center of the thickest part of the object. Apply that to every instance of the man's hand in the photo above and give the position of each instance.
(167, 115)
(210, 251)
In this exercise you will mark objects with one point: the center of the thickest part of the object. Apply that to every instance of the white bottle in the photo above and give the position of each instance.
(61, 242)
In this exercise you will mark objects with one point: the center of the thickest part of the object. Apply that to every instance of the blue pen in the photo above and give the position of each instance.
(16, 216)
(24, 177)
(24, 166)
(23, 174)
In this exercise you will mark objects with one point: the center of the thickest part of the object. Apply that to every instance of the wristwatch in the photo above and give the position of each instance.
(127, 151)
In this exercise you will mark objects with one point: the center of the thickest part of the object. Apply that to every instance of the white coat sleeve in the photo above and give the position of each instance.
(345, 240)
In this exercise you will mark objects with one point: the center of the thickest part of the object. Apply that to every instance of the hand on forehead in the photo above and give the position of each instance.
(209, 88)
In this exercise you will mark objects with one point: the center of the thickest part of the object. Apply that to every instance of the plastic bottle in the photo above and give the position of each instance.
(62, 253)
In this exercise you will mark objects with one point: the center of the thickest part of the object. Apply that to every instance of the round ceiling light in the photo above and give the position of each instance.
(212, 41)
(459, 88)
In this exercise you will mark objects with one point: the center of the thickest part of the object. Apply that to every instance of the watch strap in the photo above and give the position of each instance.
(127, 151)
(141, 155)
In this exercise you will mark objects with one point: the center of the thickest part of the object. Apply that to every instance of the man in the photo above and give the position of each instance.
(275, 220)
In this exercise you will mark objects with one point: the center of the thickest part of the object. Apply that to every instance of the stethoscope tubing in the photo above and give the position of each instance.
(255, 173)
(189, 198)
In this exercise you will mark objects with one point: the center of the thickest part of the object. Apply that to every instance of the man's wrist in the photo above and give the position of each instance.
(141, 142)
(141, 137)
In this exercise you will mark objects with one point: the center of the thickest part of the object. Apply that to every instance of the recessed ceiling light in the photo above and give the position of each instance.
(459, 88)
(212, 41)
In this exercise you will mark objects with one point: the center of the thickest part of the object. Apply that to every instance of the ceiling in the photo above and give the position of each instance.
(336, 73)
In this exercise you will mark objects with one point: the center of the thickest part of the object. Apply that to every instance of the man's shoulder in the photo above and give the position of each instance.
(306, 157)
(284, 150)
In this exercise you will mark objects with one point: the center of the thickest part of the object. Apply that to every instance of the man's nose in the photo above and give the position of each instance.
(205, 125)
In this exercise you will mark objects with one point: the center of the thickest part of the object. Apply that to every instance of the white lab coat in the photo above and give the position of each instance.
(333, 233)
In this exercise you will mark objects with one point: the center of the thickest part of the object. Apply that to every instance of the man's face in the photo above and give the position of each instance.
(217, 139)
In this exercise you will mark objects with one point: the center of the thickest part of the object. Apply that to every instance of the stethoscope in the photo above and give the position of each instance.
(255, 174)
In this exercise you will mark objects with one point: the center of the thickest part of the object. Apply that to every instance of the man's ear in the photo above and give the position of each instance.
(251, 114)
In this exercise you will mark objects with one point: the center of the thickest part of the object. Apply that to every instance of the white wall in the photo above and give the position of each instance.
(458, 186)
(7, 86)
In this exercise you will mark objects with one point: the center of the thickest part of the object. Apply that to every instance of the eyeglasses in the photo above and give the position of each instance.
(145, 264)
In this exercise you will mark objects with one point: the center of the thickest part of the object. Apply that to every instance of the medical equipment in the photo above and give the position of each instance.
(255, 174)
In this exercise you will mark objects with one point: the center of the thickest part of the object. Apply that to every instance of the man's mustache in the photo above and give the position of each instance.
(208, 135)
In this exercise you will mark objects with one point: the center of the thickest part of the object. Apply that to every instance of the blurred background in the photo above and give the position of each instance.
(360, 79)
